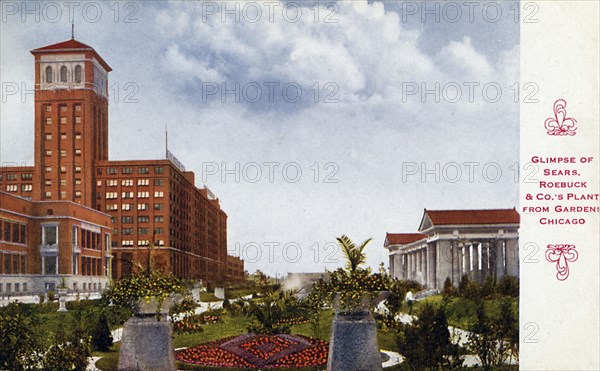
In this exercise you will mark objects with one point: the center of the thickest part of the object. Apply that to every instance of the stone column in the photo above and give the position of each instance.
(444, 263)
(512, 257)
(500, 259)
(455, 263)
(468, 270)
(484, 260)
(476, 272)
(431, 272)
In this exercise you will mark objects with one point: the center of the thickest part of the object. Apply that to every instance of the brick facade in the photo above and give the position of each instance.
(148, 209)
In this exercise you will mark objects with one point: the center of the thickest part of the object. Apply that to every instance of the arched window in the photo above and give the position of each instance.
(63, 74)
(78, 74)
(48, 74)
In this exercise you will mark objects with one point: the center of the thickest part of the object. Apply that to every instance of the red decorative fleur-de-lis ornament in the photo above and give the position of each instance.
(560, 124)
(562, 255)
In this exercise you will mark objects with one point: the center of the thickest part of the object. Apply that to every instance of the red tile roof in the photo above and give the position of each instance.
(403, 238)
(70, 46)
(491, 216)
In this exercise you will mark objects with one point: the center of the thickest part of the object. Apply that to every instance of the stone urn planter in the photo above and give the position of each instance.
(148, 307)
(353, 342)
(62, 299)
(147, 342)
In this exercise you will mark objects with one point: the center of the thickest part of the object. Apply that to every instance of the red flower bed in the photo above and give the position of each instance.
(193, 323)
(258, 351)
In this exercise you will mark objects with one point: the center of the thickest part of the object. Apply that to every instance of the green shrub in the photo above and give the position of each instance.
(448, 287)
(426, 343)
(102, 338)
(509, 286)
(20, 345)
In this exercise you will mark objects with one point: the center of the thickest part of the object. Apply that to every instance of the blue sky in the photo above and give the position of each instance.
(360, 143)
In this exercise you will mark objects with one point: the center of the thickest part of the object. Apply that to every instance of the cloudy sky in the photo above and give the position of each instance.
(307, 122)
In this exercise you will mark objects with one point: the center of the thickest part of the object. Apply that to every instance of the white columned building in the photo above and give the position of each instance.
(451, 243)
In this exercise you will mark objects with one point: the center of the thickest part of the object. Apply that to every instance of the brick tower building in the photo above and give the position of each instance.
(77, 214)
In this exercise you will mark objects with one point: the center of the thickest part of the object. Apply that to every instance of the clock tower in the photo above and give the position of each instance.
(71, 121)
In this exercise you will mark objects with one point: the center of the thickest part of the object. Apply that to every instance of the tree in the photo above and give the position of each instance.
(354, 254)
(102, 339)
(21, 347)
(426, 343)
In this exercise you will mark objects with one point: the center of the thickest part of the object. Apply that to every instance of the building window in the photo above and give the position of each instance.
(48, 120)
(142, 207)
(77, 152)
(63, 194)
(127, 207)
(143, 230)
(143, 182)
(77, 181)
(48, 74)
(143, 219)
(49, 264)
(158, 219)
(23, 234)
(112, 183)
(78, 107)
(127, 182)
(63, 74)
(48, 152)
(127, 194)
(48, 108)
(127, 231)
(48, 136)
(27, 187)
(63, 153)
(6, 231)
(112, 207)
(159, 182)
(78, 169)
(27, 176)
(63, 135)
(48, 183)
(78, 136)
(158, 231)
(63, 169)
(127, 170)
(127, 219)
(111, 170)
(12, 188)
(49, 234)
(63, 120)
(48, 169)
(158, 194)
(78, 119)
(143, 194)
(143, 170)
(78, 74)
(63, 108)
(159, 170)
(111, 195)
(143, 242)
(77, 193)
(158, 206)
(48, 194)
